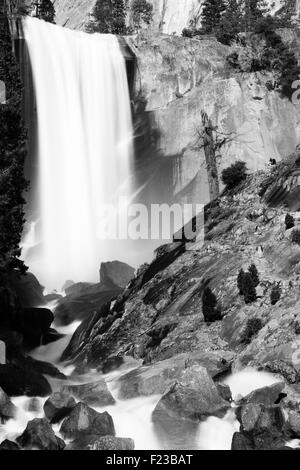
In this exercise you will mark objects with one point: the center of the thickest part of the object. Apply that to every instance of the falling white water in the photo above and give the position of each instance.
(84, 147)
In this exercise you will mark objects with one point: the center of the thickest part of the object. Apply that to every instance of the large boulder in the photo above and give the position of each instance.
(264, 426)
(83, 420)
(93, 394)
(116, 274)
(20, 381)
(194, 397)
(33, 324)
(157, 378)
(40, 435)
(82, 301)
(7, 408)
(9, 445)
(267, 396)
(58, 406)
(241, 442)
(101, 443)
(28, 290)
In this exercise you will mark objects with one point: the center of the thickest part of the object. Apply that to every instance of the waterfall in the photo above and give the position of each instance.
(84, 155)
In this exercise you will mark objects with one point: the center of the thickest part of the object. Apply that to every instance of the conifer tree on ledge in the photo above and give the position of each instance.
(12, 155)
(45, 10)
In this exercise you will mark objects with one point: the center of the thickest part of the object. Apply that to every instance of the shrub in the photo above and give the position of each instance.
(249, 290)
(240, 280)
(234, 175)
(275, 295)
(247, 282)
(254, 274)
(142, 13)
(209, 306)
(108, 17)
(289, 221)
(296, 237)
(253, 326)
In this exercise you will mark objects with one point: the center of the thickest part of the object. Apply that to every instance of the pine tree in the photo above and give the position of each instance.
(211, 15)
(275, 295)
(12, 155)
(254, 274)
(142, 12)
(254, 11)
(249, 290)
(109, 17)
(231, 23)
(240, 281)
(209, 306)
(119, 17)
(46, 11)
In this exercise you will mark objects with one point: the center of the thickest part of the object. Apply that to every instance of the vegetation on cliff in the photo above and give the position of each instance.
(12, 156)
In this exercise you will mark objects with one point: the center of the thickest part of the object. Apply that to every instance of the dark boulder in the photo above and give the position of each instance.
(19, 381)
(9, 445)
(27, 289)
(264, 425)
(241, 442)
(294, 423)
(51, 336)
(101, 443)
(7, 408)
(79, 305)
(115, 273)
(33, 324)
(93, 394)
(40, 435)
(111, 364)
(83, 420)
(41, 367)
(267, 396)
(194, 397)
(58, 406)
(224, 391)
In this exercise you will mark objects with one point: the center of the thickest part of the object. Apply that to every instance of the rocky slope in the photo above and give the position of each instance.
(159, 320)
(159, 315)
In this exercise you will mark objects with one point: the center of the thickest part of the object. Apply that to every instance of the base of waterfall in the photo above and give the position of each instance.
(84, 412)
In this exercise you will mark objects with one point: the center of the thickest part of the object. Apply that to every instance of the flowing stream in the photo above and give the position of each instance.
(132, 418)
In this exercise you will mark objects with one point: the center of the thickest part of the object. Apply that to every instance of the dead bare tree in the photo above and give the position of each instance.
(211, 141)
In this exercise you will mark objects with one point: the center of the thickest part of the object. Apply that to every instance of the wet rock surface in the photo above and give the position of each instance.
(58, 406)
(93, 394)
(194, 397)
(40, 435)
(7, 408)
(84, 420)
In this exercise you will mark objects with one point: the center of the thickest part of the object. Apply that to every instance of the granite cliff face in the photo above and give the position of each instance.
(169, 16)
(180, 77)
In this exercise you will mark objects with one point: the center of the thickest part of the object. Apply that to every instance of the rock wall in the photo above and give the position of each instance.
(180, 77)
(169, 16)
(74, 14)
